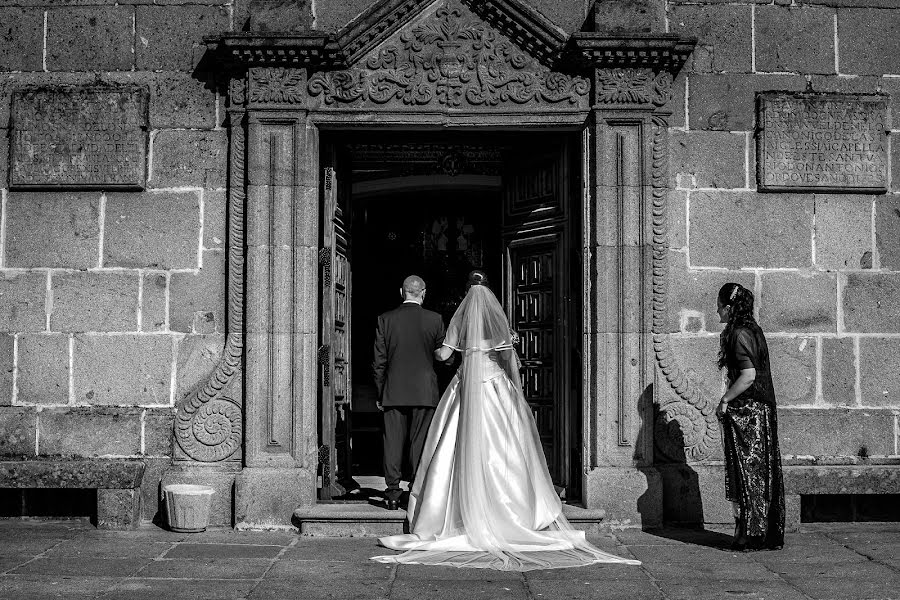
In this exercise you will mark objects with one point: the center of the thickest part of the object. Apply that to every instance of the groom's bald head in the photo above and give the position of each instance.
(413, 288)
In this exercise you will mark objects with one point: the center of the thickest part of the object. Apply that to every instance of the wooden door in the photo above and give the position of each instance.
(536, 229)
(334, 349)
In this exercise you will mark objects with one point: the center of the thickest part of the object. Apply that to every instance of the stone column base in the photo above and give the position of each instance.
(266, 497)
(631, 496)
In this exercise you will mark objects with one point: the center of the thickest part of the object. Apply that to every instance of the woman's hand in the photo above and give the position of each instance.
(722, 407)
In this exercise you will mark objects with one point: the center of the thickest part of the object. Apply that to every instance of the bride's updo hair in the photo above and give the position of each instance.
(477, 277)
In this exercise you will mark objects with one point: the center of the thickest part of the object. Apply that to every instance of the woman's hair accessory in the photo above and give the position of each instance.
(477, 277)
(734, 292)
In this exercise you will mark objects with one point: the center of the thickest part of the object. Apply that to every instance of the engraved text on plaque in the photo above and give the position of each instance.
(822, 142)
(90, 137)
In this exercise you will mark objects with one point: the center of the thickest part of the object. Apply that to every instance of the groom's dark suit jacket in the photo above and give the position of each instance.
(405, 341)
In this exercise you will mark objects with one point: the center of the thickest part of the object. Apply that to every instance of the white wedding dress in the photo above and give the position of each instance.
(482, 495)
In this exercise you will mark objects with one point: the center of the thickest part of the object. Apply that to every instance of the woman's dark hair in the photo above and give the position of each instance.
(477, 277)
(740, 299)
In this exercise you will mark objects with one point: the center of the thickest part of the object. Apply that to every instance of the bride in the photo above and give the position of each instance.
(482, 496)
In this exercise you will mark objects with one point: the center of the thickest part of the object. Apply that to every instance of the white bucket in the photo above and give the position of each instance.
(188, 507)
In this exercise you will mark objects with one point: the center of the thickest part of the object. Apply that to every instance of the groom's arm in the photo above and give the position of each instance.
(379, 363)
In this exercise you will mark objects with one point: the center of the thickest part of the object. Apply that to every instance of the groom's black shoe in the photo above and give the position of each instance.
(391, 504)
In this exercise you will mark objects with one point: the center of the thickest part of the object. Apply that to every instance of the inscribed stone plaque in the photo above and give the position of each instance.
(79, 137)
(822, 142)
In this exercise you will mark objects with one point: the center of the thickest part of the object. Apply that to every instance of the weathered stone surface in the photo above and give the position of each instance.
(793, 363)
(214, 218)
(153, 302)
(895, 162)
(22, 301)
(869, 41)
(697, 358)
(197, 301)
(722, 32)
(171, 37)
(727, 102)
(869, 479)
(43, 369)
(118, 509)
(154, 471)
(266, 497)
(158, 431)
(198, 355)
(181, 100)
(694, 494)
(21, 39)
(7, 359)
(189, 158)
(220, 478)
(90, 38)
(708, 159)
(870, 304)
(677, 223)
(17, 431)
(692, 295)
(849, 430)
(798, 301)
(46, 229)
(123, 370)
(158, 230)
(747, 229)
(630, 496)
(887, 231)
(879, 371)
(94, 301)
(72, 473)
(838, 371)
(799, 40)
(280, 15)
(334, 14)
(843, 231)
(91, 431)
(615, 16)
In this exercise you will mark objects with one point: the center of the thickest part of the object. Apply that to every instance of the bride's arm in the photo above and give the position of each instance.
(443, 353)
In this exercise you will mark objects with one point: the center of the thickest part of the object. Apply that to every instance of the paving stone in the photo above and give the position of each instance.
(100, 548)
(83, 566)
(869, 305)
(334, 549)
(869, 41)
(96, 38)
(216, 551)
(17, 431)
(795, 302)
(727, 102)
(887, 230)
(823, 586)
(723, 36)
(580, 590)
(799, 40)
(412, 572)
(800, 432)
(330, 570)
(333, 589)
(153, 301)
(197, 301)
(843, 231)
(7, 360)
(123, 369)
(198, 356)
(21, 39)
(879, 371)
(157, 230)
(171, 37)
(188, 589)
(838, 371)
(43, 369)
(747, 229)
(458, 589)
(596, 572)
(214, 218)
(34, 587)
(91, 431)
(94, 301)
(713, 159)
(181, 100)
(749, 590)
(23, 296)
(158, 431)
(226, 535)
(210, 568)
(53, 229)
(184, 158)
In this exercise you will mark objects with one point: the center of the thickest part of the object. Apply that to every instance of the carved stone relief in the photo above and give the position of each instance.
(276, 85)
(633, 86)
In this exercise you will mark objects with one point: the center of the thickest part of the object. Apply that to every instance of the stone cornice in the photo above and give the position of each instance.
(658, 52)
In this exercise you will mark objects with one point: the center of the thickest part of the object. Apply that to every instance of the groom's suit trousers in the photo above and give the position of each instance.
(397, 421)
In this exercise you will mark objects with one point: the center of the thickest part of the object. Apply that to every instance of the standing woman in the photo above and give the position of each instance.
(753, 480)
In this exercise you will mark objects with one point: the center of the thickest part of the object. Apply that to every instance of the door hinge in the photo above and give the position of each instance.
(329, 177)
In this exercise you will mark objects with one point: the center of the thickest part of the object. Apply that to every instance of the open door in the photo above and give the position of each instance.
(537, 199)
(334, 349)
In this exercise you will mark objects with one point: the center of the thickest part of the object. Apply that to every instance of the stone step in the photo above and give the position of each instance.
(358, 519)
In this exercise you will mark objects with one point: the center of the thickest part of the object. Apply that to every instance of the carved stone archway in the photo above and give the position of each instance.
(431, 64)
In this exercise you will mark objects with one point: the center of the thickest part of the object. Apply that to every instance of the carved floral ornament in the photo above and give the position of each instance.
(633, 86)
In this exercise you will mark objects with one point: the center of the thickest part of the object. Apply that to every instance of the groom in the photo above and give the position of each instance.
(405, 341)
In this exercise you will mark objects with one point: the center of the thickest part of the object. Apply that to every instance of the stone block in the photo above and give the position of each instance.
(43, 369)
(181, 100)
(895, 162)
(677, 219)
(697, 358)
(727, 102)
(709, 159)
(23, 298)
(171, 37)
(616, 16)
(47, 229)
(269, 15)
(7, 361)
(843, 233)
(879, 371)
(869, 41)
(797, 40)
(72, 473)
(692, 295)
(266, 497)
(838, 371)
(21, 39)
(189, 158)
(157, 230)
(158, 431)
(723, 36)
(220, 478)
(331, 15)
(798, 301)
(118, 509)
(631, 496)
(90, 38)
(694, 495)
(215, 218)
(747, 229)
(153, 302)
(198, 356)
(91, 431)
(18, 427)
(793, 363)
(154, 471)
(197, 300)
(94, 301)
(870, 302)
(835, 432)
(123, 370)
(887, 231)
